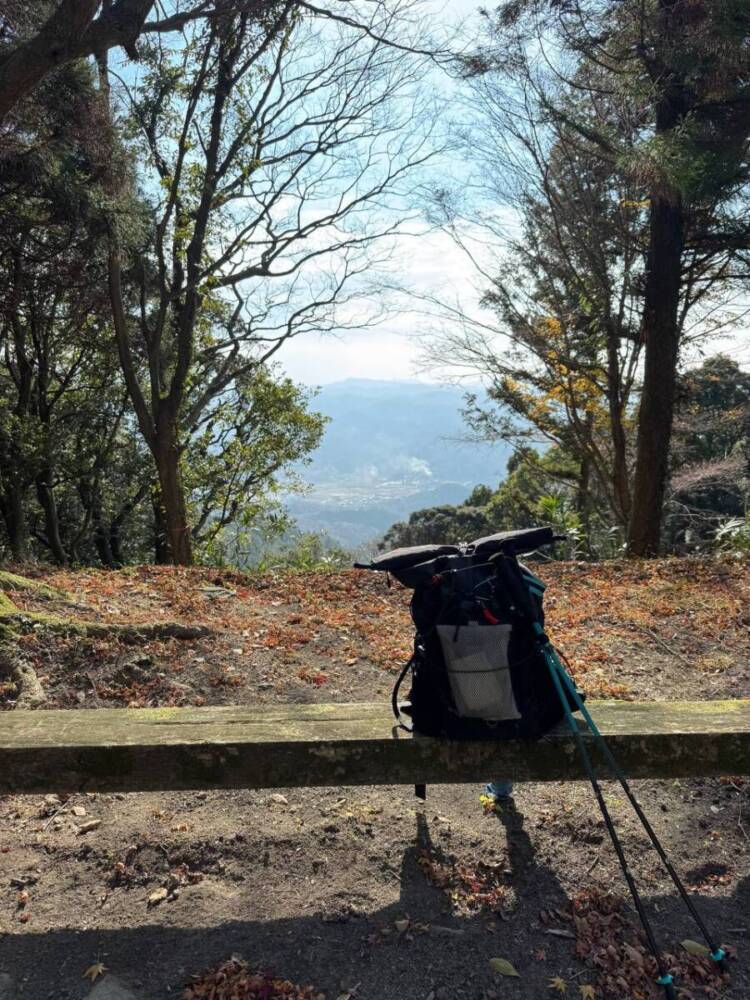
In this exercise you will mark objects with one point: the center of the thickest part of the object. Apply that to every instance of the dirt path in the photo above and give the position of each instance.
(364, 893)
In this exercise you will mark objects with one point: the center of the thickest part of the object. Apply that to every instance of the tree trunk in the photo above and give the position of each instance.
(660, 332)
(161, 549)
(167, 456)
(620, 481)
(46, 497)
(90, 494)
(118, 520)
(583, 499)
(14, 515)
(103, 541)
(72, 32)
(115, 544)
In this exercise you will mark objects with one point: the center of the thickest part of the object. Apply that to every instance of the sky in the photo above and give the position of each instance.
(429, 264)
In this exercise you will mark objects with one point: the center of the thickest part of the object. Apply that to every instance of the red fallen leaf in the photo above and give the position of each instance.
(233, 980)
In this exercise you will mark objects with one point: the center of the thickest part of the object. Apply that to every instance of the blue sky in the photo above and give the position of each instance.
(429, 264)
(426, 263)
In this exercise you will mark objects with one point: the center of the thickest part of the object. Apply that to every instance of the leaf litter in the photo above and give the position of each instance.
(339, 636)
(235, 980)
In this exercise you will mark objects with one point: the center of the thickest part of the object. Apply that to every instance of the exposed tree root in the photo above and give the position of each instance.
(23, 622)
(19, 671)
(15, 622)
(162, 630)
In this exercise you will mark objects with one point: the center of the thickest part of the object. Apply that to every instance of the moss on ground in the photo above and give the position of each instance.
(14, 582)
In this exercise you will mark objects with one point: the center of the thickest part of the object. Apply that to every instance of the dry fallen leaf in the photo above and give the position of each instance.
(558, 984)
(349, 994)
(587, 992)
(157, 897)
(235, 980)
(634, 955)
(503, 967)
(490, 804)
(88, 826)
(695, 948)
(94, 971)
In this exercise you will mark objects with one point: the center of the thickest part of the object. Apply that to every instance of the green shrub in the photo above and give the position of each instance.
(734, 536)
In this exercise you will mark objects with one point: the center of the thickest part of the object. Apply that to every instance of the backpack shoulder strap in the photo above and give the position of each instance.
(394, 696)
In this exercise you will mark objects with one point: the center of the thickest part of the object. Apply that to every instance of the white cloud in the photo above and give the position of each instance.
(419, 467)
(428, 264)
(317, 360)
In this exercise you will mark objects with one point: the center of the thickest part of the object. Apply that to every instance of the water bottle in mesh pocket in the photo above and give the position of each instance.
(476, 658)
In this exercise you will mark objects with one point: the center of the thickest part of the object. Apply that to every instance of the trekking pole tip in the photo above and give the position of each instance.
(667, 981)
(720, 957)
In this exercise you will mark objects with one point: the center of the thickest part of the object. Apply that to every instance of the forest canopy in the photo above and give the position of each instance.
(187, 188)
(170, 220)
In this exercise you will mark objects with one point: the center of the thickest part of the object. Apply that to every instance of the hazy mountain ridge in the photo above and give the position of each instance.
(390, 448)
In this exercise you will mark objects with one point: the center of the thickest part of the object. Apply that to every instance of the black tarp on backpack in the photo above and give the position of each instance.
(476, 671)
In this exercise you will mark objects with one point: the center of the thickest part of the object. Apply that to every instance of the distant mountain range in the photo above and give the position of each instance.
(390, 448)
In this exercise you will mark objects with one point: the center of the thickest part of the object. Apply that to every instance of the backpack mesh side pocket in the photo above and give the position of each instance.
(476, 658)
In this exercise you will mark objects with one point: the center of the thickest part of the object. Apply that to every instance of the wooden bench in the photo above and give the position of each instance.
(343, 744)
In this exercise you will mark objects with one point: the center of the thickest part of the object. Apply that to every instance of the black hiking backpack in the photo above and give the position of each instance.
(476, 671)
(484, 668)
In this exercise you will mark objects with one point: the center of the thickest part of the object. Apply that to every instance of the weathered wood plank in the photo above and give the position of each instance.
(342, 744)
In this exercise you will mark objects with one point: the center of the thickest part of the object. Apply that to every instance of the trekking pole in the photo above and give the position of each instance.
(717, 954)
(664, 979)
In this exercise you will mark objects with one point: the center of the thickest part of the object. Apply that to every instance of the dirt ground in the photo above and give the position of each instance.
(365, 893)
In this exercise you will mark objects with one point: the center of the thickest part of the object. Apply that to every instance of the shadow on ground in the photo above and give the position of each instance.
(449, 961)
